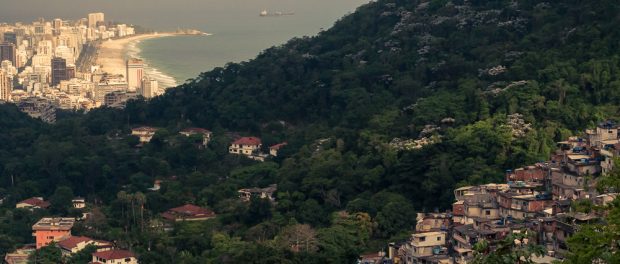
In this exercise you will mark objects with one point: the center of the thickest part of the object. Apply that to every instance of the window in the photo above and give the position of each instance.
(438, 238)
(422, 239)
(487, 212)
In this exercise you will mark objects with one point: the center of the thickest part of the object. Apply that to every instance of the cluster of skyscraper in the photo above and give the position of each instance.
(53, 62)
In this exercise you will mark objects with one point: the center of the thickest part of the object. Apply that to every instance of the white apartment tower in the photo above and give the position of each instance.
(135, 74)
(94, 18)
(149, 88)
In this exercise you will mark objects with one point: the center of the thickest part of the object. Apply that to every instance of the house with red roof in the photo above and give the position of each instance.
(247, 146)
(188, 212)
(73, 244)
(33, 203)
(273, 150)
(114, 256)
(206, 134)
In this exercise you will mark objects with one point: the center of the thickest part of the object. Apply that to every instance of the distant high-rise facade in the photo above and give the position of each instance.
(6, 86)
(7, 52)
(57, 26)
(94, 19)
(135, 74)
(59, 70)
(10, 37)
(70, 72)
(149, 88)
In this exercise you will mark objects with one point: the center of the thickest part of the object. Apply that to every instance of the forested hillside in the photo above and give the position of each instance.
(385, 113)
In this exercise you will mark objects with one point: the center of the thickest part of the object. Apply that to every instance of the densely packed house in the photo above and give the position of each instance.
(536, 199)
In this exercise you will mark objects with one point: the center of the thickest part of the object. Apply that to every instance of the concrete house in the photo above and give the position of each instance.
(145, 133)
(247, 146)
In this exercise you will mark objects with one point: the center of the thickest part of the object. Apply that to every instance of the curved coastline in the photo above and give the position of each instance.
(133, 50)
(112, 55)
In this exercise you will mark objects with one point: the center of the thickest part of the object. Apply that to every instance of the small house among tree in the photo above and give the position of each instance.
(273, 150)
(188, 212)
(206, 134)
(78, 202)
(33, 203)
(145, 133)
(264, 193)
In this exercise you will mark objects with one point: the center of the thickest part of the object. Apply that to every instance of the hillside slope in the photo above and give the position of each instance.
(394, 68)
(385, 114)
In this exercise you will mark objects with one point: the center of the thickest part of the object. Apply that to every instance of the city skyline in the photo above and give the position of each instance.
(48, 65)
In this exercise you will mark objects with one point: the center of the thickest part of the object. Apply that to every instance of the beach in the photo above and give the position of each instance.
(112, 54)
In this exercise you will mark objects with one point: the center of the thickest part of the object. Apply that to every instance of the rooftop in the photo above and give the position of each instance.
(188, 211)
(73, 241)
(270, 189)
(248, 141)
(278, 146)
(114, 254)
(195, 130)
(36, 201)
(144, 129)
(55, 223)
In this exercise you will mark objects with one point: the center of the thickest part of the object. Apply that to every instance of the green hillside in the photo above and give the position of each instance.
(385, 113)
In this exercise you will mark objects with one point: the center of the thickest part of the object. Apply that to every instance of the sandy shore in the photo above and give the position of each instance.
(111, 53)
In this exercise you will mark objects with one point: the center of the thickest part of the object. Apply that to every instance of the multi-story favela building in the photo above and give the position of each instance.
(536, 199)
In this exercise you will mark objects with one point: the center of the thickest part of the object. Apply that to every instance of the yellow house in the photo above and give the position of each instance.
(245, 146)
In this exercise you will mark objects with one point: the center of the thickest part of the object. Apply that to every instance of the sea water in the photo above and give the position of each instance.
(239, 33)
(238, 36)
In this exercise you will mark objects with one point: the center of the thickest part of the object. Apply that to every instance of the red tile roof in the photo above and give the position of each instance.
(36, 201)
(73, 241)
(114, 254)
(278, 146)
(188, 211)
(253, 141)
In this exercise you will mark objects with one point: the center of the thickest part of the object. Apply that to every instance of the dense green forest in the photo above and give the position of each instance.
(452, 73)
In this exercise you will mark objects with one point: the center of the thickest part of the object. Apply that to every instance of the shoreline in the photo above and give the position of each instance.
(112, 54)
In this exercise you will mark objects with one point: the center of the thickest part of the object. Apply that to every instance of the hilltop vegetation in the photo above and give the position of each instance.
(452, 74)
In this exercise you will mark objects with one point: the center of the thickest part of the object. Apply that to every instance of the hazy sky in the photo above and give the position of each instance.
(216, 15)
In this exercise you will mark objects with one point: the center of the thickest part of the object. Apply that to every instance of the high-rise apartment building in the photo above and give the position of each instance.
(6, 86)
(7, 52)
(149, 88)
(59, 70)
(94, 19)
(57, 25)
(70, 72)
(10, 37)
(135, 74)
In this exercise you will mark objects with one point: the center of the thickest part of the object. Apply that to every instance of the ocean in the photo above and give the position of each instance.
(238, 32)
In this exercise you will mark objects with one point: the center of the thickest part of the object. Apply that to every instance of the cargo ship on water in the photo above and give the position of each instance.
(266, 13)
